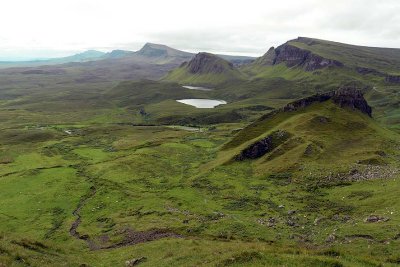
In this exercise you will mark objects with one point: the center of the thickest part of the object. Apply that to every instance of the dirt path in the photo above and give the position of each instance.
(73, 230)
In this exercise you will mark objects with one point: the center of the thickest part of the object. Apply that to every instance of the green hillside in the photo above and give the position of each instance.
(317, 65)
(205, 69)
(383, 59)
(318, 137)
(100, 193)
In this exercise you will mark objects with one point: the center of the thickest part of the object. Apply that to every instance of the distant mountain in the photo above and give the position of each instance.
(116, 54)
(88, 55)
(150, 53)
(161, 54)
(205, 69)
(237, 61)
(84, 56)
(159, 50)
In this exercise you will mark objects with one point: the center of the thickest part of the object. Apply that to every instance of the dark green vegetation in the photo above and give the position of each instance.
(96, 170)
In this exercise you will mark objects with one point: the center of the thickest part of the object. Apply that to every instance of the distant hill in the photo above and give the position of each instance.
(116, 54)
(88, 55)
(149, 53)
(205, 69)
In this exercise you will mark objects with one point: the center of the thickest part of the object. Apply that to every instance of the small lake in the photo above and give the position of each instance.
(196, 88)
(202, 103)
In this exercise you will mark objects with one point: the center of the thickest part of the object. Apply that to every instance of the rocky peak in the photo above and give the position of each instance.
(204, 63)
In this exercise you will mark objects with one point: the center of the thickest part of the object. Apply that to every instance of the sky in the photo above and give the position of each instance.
(53, 28)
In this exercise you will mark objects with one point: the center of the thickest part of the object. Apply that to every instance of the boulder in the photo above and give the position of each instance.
(375, 218)
(134, 262)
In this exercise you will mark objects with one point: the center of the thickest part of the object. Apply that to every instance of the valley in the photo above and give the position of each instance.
(114, 162)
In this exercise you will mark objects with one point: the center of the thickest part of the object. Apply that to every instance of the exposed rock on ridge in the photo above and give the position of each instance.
(343, 97)
(265, 145)
(294, 56)
(392, 79)
(348, 97)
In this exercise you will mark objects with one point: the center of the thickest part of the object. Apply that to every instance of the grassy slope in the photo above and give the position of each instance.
(337, 145)
(153, 178)
(158, 177)
(207, 77)
(383, 59)
(382, 96)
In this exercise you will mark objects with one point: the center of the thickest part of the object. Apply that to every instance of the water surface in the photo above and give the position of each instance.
(202, 103)
(196, 88)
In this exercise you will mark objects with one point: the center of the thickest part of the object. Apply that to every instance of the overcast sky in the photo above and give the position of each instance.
(51, 28)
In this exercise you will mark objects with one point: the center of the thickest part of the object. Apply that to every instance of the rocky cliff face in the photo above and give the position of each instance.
(204, 63)
(349, 97)
(294, 56)
(262, 147)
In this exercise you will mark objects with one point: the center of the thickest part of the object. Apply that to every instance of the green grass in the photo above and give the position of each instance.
(287, 208)
(158, 178)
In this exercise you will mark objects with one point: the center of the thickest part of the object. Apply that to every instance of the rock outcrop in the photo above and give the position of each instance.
(392, 79)
(265, 145)
(344, 97)
(388, 78)
(365, 71)
(294, 56)
(352, 98)
(204, 63)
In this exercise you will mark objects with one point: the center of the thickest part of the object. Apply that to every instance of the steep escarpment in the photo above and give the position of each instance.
(294, 56)
(349, 97)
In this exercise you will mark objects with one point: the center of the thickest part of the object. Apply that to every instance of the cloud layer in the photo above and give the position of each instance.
(47, 28)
